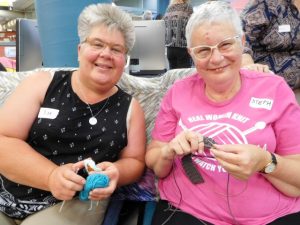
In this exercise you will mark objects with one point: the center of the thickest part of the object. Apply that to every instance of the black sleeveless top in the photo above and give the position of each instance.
(62, 133)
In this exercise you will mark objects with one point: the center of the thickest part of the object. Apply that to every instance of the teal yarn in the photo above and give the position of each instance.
(94, 180)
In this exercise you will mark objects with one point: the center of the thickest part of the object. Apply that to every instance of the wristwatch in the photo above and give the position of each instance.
(271, 166)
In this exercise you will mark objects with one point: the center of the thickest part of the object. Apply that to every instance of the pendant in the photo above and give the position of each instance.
(93, 121)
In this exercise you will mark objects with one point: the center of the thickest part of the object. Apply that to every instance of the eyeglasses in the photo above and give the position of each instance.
(205, 51)
(98, 46)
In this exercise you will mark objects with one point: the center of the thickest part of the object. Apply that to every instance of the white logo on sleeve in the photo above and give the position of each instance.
(48, 113)
(261, 103)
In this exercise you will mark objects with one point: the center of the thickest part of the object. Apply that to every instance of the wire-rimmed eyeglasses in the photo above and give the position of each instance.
(98, 45)
(205, 51)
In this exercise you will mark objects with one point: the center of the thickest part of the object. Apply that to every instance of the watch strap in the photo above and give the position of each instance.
(273, 161)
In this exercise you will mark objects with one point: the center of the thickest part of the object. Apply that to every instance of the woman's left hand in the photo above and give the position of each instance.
(112, 172)
(241, 160)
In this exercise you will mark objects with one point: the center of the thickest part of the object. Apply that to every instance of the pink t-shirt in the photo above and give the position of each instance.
(265, 113)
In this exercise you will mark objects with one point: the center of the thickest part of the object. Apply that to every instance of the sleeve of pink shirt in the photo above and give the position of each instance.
(166, 120)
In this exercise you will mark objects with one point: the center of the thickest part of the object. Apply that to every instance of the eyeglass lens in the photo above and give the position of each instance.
(98, 45)
(224, 46)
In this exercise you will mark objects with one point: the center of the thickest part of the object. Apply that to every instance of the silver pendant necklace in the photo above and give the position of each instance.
(93, 120)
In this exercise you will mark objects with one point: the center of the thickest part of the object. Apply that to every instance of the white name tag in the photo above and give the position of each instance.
(48, 113)
(284, 28)
(261, 103)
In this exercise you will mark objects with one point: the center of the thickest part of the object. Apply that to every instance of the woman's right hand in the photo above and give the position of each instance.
(160, 155)
(64, 182)
(184, 143)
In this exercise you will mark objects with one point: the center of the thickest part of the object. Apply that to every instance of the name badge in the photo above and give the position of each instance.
(261, 103)
(284, 28)
(48, 113)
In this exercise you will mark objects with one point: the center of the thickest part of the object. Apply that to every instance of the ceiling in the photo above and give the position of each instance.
(23, 4)
(19, 10)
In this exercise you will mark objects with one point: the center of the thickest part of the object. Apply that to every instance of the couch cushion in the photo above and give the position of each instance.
(8, 82)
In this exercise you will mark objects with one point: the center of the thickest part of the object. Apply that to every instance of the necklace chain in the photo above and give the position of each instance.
(92, 119)
(99, 110)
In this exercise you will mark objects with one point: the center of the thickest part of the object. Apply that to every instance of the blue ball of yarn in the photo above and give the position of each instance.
(94, 180)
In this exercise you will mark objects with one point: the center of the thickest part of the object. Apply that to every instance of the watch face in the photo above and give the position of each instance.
(270, 168)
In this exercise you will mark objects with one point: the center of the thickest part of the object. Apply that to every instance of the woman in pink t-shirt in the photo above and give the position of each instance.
(225, 143)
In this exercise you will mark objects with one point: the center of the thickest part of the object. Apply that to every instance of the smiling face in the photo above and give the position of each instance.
(220, 68)
(102, 57)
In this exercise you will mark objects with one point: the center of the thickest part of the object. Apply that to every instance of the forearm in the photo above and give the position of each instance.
(286, 177)
(22, 164)
(130, 170)
(160, 163)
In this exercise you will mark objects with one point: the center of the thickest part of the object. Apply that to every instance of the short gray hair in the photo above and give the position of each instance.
(147, 15)
(178, 1)
(110, 16)
(213, 11)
